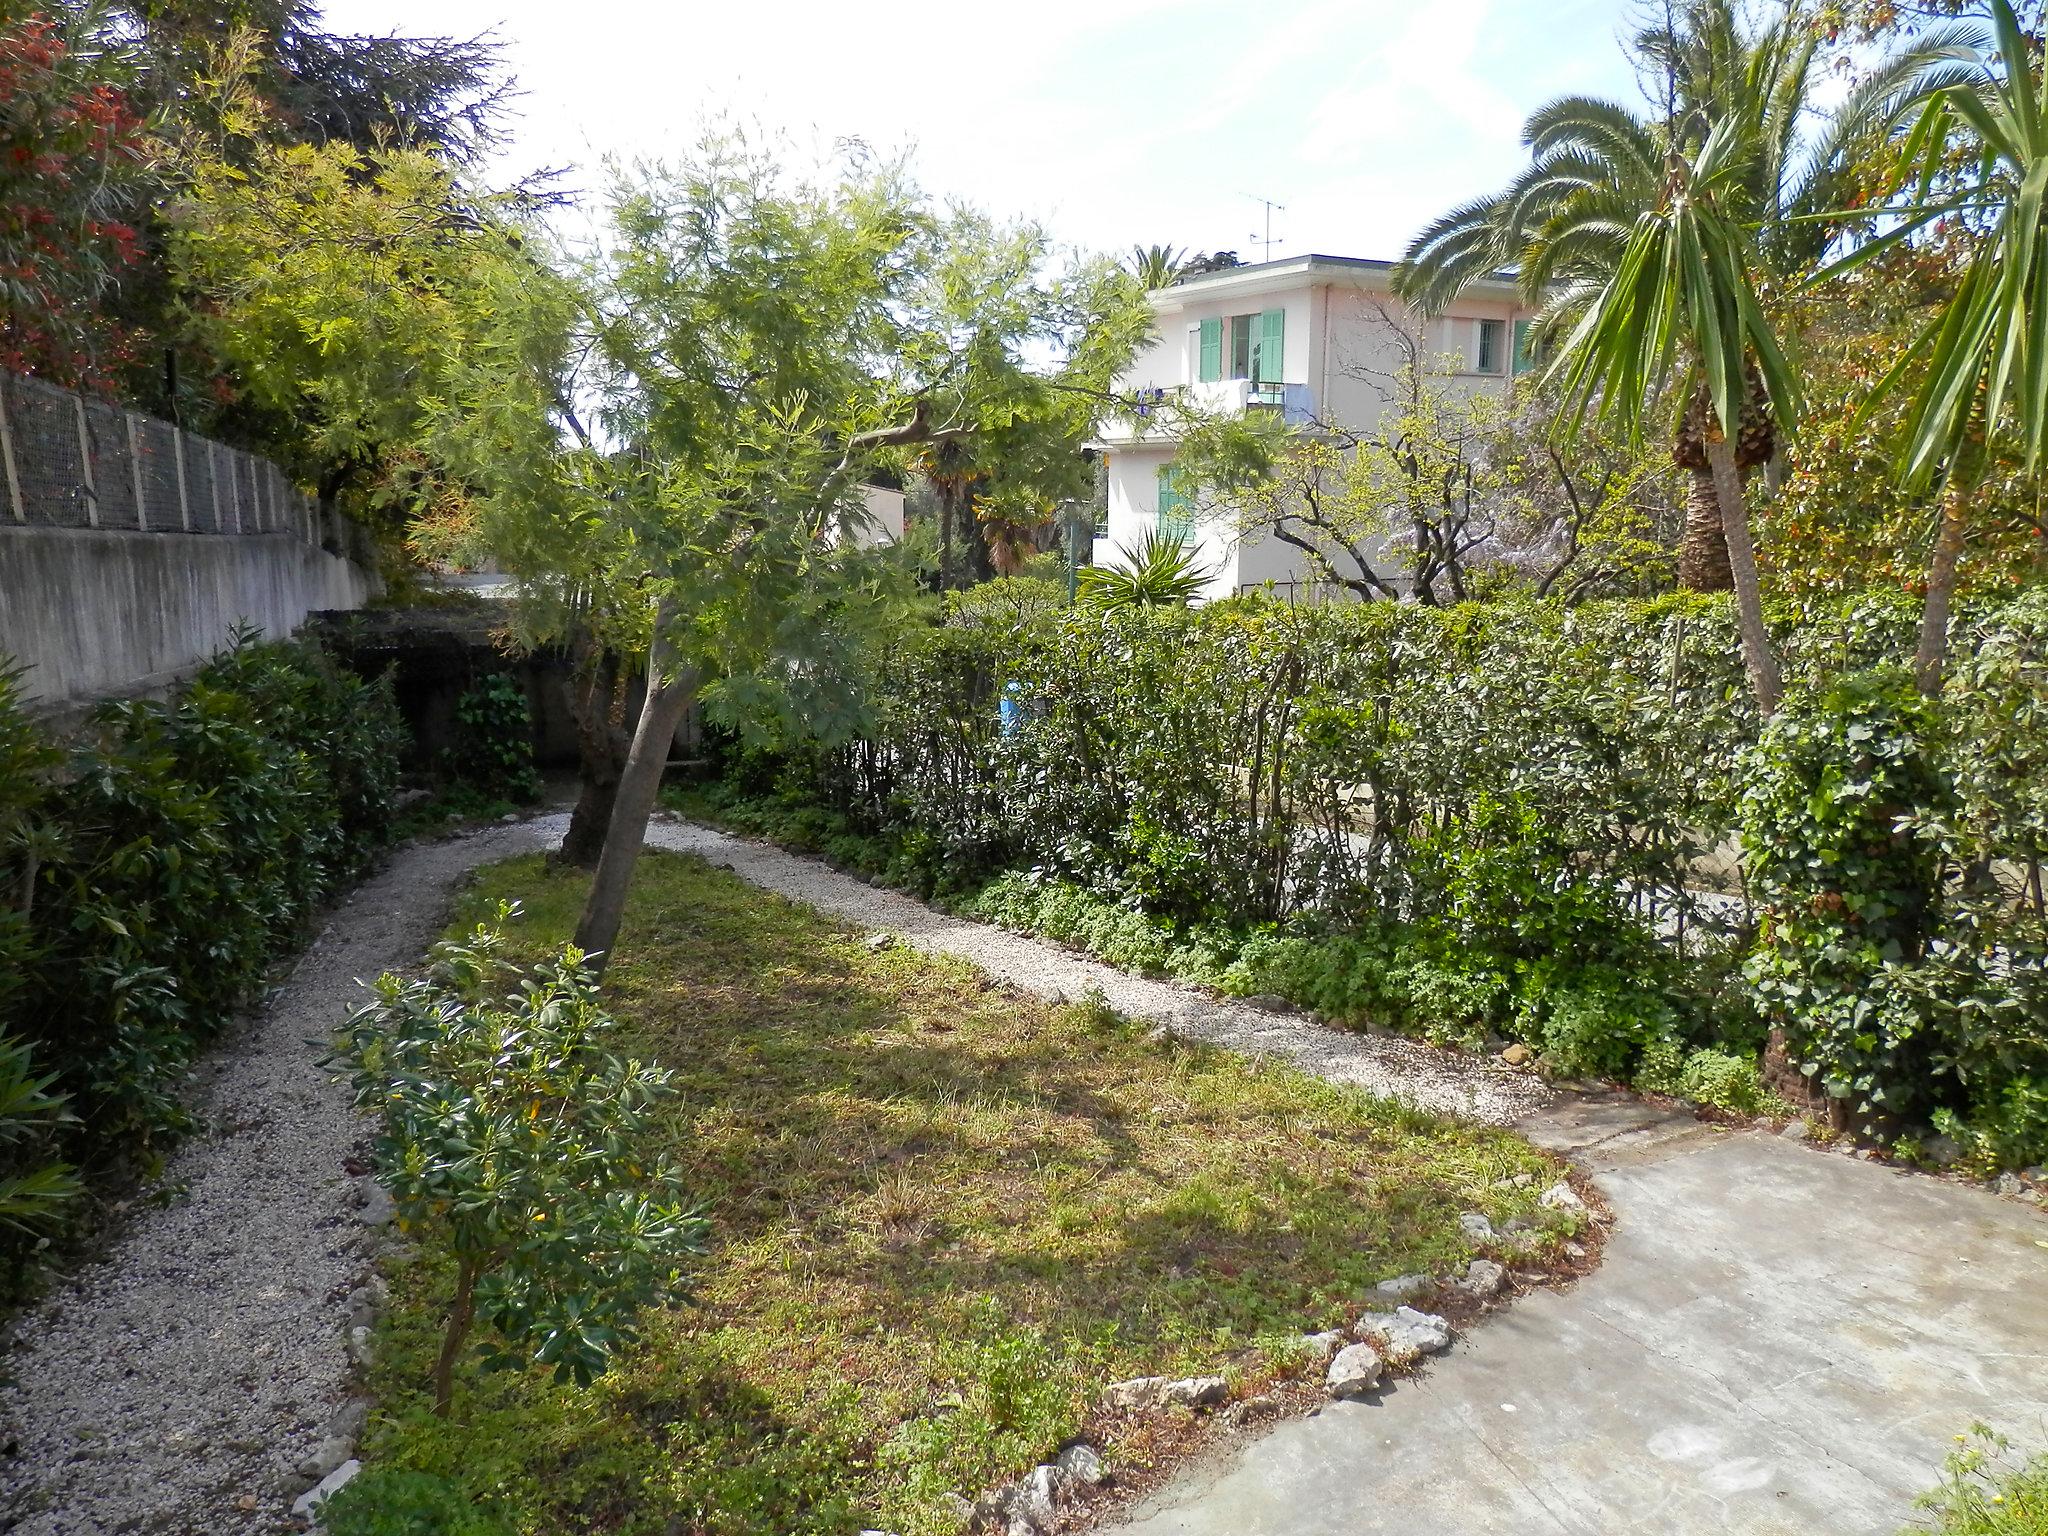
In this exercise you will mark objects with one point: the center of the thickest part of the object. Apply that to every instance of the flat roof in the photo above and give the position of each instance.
(1288, 266)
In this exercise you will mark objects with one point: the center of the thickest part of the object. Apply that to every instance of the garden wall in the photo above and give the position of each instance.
(129, 549)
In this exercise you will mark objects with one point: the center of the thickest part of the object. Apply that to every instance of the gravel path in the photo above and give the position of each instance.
(1403, 1068)
(175, 1386)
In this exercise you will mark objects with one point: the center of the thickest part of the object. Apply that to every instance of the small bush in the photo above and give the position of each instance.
(509, 1132)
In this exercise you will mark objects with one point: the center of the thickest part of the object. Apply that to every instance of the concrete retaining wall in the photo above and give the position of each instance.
(92, 612)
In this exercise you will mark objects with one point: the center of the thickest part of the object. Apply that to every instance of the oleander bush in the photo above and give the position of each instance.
(1566, 826)
(149, 877)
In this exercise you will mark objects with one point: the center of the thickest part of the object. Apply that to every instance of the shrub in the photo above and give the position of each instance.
(493, 753)
(1505, 817)
(508, 1131)
(145, 892)
(33, 1191)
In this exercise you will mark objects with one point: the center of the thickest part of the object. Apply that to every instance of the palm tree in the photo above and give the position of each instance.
(1983, 359)
(1155, 266)
(1597, 170)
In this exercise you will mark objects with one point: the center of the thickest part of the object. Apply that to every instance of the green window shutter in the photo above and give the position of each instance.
(1174, 522)
(1523, 361)
(1272, 345)
(1212, 350)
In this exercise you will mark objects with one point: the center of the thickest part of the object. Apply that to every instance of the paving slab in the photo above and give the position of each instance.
(1780, 1339)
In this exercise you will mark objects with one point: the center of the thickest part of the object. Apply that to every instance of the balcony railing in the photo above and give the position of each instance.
(1160, 407)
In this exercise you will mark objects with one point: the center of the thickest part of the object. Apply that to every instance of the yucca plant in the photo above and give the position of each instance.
(1161, 572)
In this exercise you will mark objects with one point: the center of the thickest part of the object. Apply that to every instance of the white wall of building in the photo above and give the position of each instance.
(1343, 351)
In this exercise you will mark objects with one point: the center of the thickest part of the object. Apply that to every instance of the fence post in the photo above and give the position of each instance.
(135, 471)
(235, 486)
(92, 495)
(184, 497)
(7, 458)
(213, 479)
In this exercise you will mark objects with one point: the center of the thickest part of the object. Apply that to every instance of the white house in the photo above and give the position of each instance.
(1311, 337)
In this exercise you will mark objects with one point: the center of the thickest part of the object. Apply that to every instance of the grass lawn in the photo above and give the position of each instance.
(946, 1216)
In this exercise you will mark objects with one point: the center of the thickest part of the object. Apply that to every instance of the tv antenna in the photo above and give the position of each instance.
(1266, 239)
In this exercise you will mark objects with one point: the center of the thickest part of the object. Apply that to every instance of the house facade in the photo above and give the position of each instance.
(1311, 338)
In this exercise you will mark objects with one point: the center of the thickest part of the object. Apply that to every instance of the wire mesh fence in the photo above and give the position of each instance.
(67, 461)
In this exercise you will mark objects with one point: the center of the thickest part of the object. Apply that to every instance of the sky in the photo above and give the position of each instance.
(1111, 122)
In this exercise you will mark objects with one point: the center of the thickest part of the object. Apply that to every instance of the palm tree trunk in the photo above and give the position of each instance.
(1932, 655)
(670, 691)
(1703, 549)
(1749, 604)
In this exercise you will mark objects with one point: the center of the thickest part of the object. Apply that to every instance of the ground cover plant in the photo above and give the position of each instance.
(1986, 1490)
(943, 1218)
(1564, 827)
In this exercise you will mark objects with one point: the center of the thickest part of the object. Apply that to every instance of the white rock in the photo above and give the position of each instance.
(1195, 1391)
(1355, 1371)
(349, 1420)
(327, 1455)
(1406, 1335)
(881, 941)
(361, 1348)
(1796, 1130)
(1044, 1486)
(378, 1210)
(1401, 1287)
(1084, 1466)
(307, 1505)
(1135, 1395)
(1323, 1345)
(1476, 1227)
(1482, 1278)
(1561, 1197)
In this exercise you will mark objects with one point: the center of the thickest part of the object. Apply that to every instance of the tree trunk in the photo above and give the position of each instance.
(1932, 655)
(459, 1315)
(1756, 640)
(1703, 551)
(669, 694)
(601, 747)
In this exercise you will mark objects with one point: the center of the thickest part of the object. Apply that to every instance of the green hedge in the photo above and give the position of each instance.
(1513, 818)
(151, 876)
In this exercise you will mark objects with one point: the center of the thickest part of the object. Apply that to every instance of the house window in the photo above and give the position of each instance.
(1523, 361)
(1492, 335)
(1176, 521)
(1242, 347)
